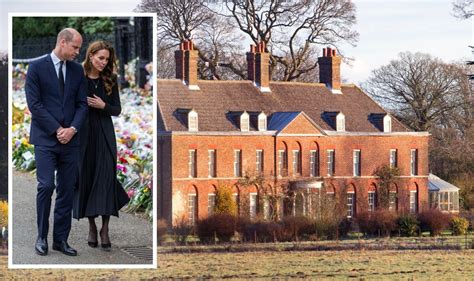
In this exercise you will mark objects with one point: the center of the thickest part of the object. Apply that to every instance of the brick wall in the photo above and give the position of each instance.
(375, 150)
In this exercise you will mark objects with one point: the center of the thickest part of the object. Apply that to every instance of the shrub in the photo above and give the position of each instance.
(295, 228)
(408, 225)
(326, 228)
(260, 231)
(434, 221)
(379, 222)
(182, 229)
(469, 216)
(459, 226)
(222, 226)
(225, 203)
(344, 226)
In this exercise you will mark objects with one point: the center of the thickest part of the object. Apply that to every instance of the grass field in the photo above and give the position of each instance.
(436, 264)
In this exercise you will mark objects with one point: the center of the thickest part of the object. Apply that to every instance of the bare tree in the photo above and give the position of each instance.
(463, 9)
(214, 37)
(419, 89)
(293, 28)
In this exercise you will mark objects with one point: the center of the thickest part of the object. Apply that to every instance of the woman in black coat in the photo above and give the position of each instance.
(99, 193)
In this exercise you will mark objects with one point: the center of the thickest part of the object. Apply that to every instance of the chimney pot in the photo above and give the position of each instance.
(258, 66)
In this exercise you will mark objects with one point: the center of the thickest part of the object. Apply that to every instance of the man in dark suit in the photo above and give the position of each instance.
(56, 96)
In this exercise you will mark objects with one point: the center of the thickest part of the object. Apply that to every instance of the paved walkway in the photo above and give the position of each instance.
(126, 233)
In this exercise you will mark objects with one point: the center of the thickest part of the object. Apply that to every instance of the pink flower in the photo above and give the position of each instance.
(131, 193)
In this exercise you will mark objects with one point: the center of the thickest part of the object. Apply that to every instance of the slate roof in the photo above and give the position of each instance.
(217, 101)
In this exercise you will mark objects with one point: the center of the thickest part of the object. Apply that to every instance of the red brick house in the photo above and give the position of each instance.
(300, 135)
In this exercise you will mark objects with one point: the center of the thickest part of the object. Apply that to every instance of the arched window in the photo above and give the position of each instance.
(413, 198)
(351, 201)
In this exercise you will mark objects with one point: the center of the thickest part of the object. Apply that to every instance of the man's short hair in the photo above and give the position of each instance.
(65, 34)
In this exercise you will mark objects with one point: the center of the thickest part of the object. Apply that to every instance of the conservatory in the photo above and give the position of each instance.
(443, 195)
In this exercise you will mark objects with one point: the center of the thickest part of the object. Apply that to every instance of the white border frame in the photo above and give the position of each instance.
(154, 265)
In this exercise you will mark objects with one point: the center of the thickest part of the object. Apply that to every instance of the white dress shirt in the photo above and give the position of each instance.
(56, 61)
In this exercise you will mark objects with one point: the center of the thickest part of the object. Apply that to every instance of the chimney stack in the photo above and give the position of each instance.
(330, 70)
(186, 64)
(258, 66)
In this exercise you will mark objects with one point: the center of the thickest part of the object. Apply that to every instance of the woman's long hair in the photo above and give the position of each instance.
(108, 73)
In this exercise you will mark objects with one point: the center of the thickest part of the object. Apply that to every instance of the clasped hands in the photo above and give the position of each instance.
(64, 135)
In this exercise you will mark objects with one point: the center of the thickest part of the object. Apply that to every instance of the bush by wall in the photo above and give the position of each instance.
(434, 221)
(408, 225)
(459, 225)
(379, 222)
(221, 226)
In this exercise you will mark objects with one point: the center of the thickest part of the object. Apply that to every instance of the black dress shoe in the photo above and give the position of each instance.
(41, 247)
(64, 247)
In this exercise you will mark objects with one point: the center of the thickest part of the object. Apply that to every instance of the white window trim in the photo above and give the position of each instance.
(312, 162)
(191, 126)
(237, 163)
(296, 162)
(262, 117)
(358, 168)
(413, 162)
(212, 173)
(387, 124)
(391, 159)
(340, 122)
(368, 200)
(209, 195)
(192, 163)
(250, 204)
(330, 165)
(415, 210)
(192, 219)
(259, 163)
(244, 122)
(281, 162)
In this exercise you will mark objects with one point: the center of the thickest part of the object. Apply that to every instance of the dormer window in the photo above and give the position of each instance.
(387, 124)
(244, 122)
(193, 121)
(262, 122)
(340, 122)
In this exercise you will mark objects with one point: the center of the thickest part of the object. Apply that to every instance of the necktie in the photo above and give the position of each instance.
(61, 78)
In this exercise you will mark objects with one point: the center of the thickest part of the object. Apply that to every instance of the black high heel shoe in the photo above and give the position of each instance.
(105, 246)
(93, 244)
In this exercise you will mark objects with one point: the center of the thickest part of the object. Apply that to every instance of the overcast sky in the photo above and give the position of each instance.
(386, 28)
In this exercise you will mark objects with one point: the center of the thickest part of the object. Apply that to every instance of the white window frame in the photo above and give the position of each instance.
(296, 162)
(193, 122)
(340, 122)
(192, 208)
(413, 201)
(281, 162)
(259, 165)
(262, 122)
(237, 163)
(330, 161)
(192, 163)
(371, 198)
(350, 206)
(393, 158)
(356, 163)
(414, 162)
(392, 201)
(211, 203)
(253, 205)
(313, 163)
(212, 163)
(245, 122)
(387, 124)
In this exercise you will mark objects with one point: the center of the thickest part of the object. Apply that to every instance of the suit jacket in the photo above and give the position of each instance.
(48, 109)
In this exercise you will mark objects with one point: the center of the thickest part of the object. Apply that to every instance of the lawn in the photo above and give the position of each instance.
(301, 264)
